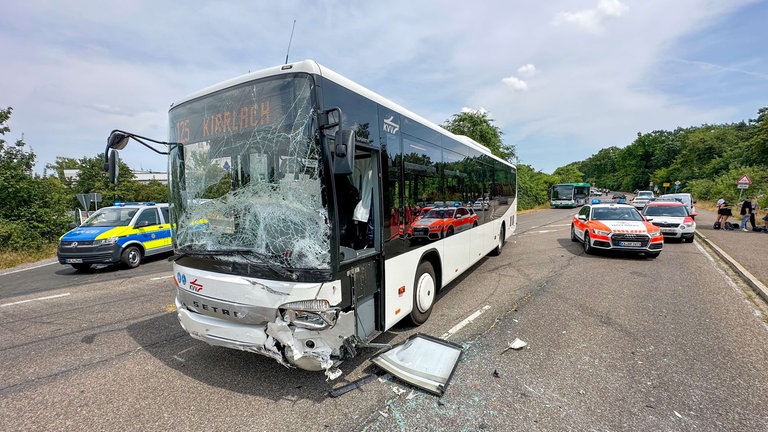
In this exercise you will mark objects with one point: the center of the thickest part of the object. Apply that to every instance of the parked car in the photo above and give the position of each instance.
(684, 198)
(672, 217)
(642, 198)
(443, 222)
(615, 227)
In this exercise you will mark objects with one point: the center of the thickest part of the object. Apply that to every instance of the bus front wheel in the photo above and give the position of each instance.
(424, 293)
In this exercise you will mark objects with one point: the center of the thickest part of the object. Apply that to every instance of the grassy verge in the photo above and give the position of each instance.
(12, 259)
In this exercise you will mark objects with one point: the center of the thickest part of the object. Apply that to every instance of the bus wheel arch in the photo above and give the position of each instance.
(501, 240)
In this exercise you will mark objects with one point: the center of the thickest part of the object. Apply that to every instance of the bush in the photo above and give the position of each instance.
(16, 237)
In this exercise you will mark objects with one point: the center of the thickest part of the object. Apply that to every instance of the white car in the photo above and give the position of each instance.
(672, 217)
(642, 198)
(685, 198)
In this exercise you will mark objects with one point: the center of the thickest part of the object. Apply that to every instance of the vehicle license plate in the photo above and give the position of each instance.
(668, 230)
(74, 260)
(634, 244)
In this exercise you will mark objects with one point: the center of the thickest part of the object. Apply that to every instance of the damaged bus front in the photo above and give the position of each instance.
(292, 193)
(250, 197)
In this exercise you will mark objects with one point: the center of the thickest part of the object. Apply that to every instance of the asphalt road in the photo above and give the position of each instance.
(614, 343)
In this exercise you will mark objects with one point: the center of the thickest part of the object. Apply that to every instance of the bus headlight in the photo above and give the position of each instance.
(310, 314)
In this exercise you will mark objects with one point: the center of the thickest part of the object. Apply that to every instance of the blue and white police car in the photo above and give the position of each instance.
(124, 232)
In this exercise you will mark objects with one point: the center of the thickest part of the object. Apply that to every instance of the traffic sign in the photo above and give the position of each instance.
(744, 180)
(742, 186)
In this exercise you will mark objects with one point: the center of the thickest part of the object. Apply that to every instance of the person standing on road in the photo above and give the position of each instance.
(723, 212)
(746, 210)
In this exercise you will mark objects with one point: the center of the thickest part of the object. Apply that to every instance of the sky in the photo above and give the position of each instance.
(562, 79)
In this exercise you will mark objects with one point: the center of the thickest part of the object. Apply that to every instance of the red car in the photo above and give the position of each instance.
(443, 222)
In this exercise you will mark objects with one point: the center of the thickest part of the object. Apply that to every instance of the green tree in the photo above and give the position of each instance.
(33, 211)
(477, 125)
(569, 174)
(91, 177)
(758, 144)
(533, 187)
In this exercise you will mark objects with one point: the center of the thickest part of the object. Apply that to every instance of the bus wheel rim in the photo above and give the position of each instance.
(425, 292)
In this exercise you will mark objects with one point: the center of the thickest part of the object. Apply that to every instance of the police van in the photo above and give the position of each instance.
(124, 232)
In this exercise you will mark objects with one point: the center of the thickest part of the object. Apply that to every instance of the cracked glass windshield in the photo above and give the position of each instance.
(246, 179)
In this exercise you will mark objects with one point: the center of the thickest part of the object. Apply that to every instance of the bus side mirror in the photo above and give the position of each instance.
(117, 140)
(113, 166)
(344, 151)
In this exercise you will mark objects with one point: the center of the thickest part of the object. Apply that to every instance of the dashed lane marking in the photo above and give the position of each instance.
(464, 323)
(34, 299)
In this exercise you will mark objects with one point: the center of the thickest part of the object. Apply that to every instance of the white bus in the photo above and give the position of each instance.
(569, 195)
(294, 193)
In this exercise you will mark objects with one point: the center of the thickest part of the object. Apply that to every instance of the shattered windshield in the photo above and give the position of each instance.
(246, 181)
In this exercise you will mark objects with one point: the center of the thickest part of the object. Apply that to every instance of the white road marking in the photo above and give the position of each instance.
(464, 323)
(179, 357)
(34, 299)
(162, 277)
(2, 273)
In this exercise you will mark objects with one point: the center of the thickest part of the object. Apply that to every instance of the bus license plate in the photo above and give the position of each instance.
(74, 260)
(631, 244)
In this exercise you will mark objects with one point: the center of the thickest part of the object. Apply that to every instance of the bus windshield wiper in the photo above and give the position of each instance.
(242, 252)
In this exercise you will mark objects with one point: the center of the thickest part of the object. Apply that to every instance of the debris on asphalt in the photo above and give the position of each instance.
(332, 374)
(515, 345)
(354, 385)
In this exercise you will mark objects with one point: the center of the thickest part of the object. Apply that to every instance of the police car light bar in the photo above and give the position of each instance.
(123, 204)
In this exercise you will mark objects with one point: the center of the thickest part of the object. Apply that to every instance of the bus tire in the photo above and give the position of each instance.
(500, 243)
(81, 266)
(131, 256)
(424, 293)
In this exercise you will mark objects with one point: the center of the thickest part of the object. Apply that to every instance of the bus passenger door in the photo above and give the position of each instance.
(360, 230)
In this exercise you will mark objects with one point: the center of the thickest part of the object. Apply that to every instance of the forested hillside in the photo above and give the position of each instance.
(707, 160)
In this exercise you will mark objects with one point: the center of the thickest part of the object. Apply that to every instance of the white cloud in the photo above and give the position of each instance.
(515, 83)
(612, 7)
(592, 20)
(527, 70)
